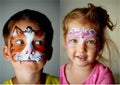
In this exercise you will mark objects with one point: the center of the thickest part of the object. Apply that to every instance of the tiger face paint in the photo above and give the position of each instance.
(27, 45)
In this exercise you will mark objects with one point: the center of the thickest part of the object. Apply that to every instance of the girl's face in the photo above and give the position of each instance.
(27, 46)
(81, 44)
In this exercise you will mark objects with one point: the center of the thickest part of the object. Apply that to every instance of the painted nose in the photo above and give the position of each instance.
(30, 51)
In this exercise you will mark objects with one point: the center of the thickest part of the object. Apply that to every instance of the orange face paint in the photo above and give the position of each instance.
(28, 45)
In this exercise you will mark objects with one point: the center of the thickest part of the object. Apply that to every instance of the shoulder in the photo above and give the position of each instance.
(62, 70)
(63, 79)
(103, 73)
(102, 69)
(51, 79)
(62, 67)
(8, 82)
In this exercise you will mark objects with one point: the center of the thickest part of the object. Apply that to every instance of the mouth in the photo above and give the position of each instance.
(29, 58)
(82, 58)
(28, 61)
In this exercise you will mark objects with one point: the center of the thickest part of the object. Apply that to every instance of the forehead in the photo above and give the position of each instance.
(79, 24)
(82, 33)
(23, 27)
(23, 24)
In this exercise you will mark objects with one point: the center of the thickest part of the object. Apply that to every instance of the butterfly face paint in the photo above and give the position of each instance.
(82, 35)
(25, 47)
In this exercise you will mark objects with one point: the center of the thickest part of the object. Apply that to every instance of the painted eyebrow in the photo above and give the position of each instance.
(16, 27)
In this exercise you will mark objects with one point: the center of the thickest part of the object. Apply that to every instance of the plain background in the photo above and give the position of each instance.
(113, 8)
(47, 7)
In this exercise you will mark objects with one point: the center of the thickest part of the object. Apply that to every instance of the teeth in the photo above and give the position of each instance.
(81, 57)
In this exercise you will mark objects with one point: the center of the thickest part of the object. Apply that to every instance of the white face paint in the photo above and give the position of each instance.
(29, 53)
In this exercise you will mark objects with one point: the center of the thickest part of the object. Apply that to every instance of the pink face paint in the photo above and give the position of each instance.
(82, 34)
(29, 53)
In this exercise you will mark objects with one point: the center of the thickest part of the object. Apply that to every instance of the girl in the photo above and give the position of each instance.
(85, 38)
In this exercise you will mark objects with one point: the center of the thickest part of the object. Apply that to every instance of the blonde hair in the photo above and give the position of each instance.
(98, 18)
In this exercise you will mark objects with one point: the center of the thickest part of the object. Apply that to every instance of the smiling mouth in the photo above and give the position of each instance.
(82, 58)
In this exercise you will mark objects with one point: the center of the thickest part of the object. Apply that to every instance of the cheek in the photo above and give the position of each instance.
(15, 48)
(96, 48)
(68, 44)
(92, 52)
(91, 49)
(40, 49)
(70, 51)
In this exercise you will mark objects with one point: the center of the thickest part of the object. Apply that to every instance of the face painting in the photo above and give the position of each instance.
(24, 47)
(85, 35)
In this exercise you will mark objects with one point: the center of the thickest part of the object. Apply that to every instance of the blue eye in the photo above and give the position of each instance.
(73, 40)
(19, 42)
(90, 42)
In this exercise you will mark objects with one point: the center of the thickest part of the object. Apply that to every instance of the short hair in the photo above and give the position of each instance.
(31, 15)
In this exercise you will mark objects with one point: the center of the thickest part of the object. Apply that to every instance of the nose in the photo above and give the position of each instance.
(30, 51)
(81, 48)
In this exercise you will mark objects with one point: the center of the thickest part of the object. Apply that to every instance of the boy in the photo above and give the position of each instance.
(28, 38)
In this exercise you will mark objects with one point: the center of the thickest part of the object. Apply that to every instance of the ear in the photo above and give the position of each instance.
(6, 53)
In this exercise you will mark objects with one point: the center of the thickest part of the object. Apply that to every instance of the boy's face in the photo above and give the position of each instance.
(27, 45)
(81, 44)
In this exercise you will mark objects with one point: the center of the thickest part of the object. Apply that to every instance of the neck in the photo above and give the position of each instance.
(82, 68)
(28, 78)
(79, 73)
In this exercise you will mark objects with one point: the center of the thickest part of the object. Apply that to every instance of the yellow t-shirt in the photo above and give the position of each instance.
(49, 80)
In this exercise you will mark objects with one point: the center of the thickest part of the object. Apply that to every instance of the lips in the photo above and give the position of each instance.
(81, 58)
(28, 61)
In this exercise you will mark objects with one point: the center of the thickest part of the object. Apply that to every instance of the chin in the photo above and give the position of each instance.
(82, 64)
